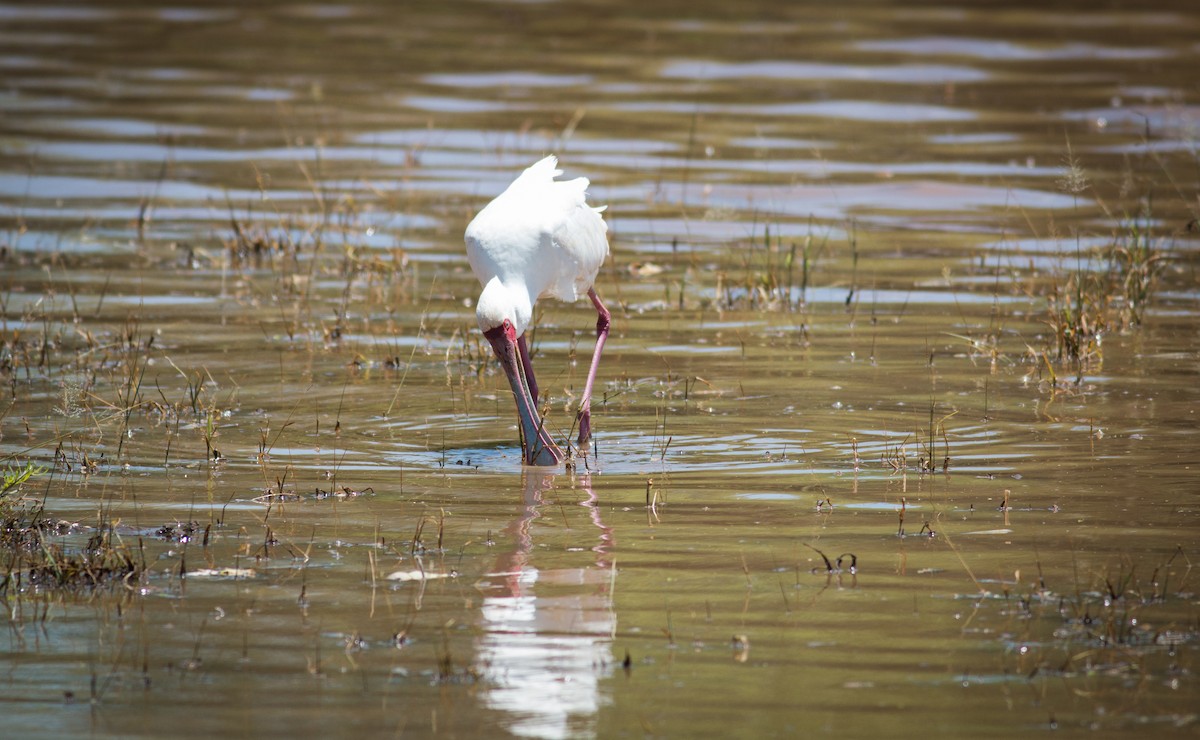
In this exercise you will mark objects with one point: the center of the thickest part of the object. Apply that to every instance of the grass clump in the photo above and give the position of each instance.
(12, 479)
(1088, 303)
(36, 552)
(1109, 289)
(775, 275)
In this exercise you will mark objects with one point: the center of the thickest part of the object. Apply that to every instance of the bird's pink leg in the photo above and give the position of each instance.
(527, 366)
(585, 406)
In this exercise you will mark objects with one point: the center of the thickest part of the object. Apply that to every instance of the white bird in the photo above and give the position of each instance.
(537, 238)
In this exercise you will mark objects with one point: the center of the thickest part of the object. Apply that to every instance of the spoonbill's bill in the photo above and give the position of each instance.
(537, 238)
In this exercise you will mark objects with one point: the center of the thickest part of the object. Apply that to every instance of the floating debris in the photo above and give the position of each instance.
(223, 573)
(417, 575)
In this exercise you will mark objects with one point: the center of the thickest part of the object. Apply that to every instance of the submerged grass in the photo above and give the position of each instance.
(1119, 624)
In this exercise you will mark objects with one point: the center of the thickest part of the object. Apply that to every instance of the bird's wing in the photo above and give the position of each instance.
(580, 238)
(505, 234)
(539, 173)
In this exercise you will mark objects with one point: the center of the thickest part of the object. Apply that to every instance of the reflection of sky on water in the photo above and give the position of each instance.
(546, 634)
(905, 74)
(1001, 50)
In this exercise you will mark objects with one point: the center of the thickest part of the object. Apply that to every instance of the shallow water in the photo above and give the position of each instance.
(836, 231)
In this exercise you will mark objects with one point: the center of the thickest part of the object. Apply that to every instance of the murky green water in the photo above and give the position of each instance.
(238, 332)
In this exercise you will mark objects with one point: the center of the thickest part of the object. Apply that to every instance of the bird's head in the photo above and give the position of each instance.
(502, 336)
(500, 304)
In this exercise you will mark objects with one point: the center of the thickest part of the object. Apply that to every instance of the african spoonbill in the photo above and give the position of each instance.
(537, 238)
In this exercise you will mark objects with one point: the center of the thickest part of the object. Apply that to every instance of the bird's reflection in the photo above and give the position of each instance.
(547, 631)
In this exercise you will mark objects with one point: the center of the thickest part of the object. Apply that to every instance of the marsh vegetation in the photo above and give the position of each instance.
(895, 433)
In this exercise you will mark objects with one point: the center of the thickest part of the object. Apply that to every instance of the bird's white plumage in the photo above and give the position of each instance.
(537, 238)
